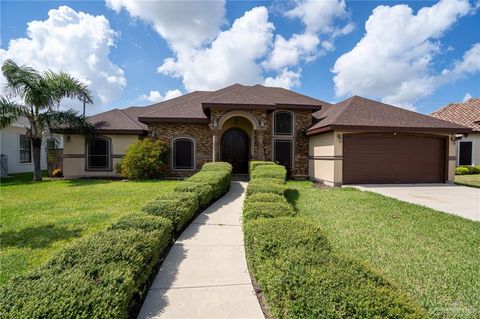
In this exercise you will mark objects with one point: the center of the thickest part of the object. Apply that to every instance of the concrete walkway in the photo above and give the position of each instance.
(454, 199)
(205, 273)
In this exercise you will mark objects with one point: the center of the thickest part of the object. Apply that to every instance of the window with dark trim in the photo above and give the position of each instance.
(283, 152)
(25, 148)
(283, 123)
(99, 154)
(183, 156)
(465, 153)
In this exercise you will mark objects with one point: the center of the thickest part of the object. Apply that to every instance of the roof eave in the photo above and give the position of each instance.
(450, 130)
(148, 120)
(103, 131)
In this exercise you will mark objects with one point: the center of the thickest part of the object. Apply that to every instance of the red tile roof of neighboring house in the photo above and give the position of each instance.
(359, 113)
(466, 113)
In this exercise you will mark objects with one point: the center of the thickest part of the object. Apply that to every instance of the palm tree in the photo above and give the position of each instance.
(41, 93)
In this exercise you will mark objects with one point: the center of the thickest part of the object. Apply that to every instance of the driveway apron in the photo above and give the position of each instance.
(205, 273)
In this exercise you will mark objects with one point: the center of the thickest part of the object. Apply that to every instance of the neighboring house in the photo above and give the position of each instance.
(16, 146)
(468, 114)
(355, 141)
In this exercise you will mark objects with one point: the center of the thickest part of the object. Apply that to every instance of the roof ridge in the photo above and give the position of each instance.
(343, 108)
(243, 87)
(175, 104)
(130, 118)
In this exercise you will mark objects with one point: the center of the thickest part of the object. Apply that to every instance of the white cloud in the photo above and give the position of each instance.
(285, 79)
(393, 60)
(231, 57)
(74, 42)
(184, 24)
(319, 19)
(156, 96)
(467, 97)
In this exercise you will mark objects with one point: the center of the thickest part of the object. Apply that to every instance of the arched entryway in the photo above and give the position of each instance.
(235, 149)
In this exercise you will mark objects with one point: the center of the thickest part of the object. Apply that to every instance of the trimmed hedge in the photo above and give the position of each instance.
(467, 169)
(292, 262)
(204, 192)
(218, 180)
(217, 166)
(254, 164)
(266, 198)
(101, 276)
(265, 187)
(96, 277)
(254, 210)
(270, 171)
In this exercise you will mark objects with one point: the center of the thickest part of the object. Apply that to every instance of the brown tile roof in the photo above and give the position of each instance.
(361, 113)
(466, 113)
(190, 107)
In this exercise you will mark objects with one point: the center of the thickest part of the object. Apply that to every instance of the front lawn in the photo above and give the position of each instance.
(39, 218)
(472, 180)
(432, 256)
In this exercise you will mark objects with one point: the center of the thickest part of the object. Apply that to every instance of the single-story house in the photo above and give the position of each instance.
(355, 141)
(467, 114)
(16, 148)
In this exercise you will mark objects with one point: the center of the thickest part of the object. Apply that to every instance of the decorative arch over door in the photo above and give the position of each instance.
(235, 149)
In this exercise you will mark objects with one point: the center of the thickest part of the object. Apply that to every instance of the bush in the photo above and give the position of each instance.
(467, 169)
(178, 207)
(144, 159)
(254, 164)
(219, 181)
(301, 277)
(96, 277)
(57, 173)
(254, 210)
(145, 222)
(203, 191)
(270, 171)
(217, 166)
(266, 198)
(262, 186)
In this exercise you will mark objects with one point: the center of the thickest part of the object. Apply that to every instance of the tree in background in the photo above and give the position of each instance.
(41, 93)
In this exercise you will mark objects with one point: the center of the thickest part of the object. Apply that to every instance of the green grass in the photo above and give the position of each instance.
(472, 180)
(39, 218)
(434, 257)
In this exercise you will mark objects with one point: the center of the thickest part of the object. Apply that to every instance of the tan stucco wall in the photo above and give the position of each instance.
(74, 154)
(475, 138)
(326, 151)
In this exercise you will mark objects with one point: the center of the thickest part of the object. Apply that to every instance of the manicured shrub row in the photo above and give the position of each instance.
(265, 192)
(467, 169)
(96, 277)
(254, 164)
(196, 192)
(101, 276)
(294, 266)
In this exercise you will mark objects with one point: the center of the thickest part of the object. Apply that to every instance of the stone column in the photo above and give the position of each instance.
(216, 144)
(259, 133)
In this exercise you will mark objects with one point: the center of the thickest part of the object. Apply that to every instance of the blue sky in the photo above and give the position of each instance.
(418, 55)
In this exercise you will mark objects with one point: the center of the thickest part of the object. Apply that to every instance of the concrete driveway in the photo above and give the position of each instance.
(454, 199)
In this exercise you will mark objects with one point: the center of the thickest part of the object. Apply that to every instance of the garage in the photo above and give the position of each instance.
(379, 158)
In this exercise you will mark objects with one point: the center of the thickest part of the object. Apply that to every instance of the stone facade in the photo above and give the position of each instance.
(206, 135)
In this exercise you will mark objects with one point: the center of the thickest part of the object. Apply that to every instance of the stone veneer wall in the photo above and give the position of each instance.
(202, 135)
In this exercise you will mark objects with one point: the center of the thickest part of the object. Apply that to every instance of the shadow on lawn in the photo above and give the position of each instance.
(292, 196)
(37, 236)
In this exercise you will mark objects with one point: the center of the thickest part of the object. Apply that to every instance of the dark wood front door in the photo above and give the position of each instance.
(235, 148)
(393, 158)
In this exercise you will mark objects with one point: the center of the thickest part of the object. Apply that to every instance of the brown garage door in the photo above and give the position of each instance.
(393, 158)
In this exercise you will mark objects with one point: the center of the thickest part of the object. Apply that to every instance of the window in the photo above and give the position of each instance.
(98, 156)
(25, 147)
(465, 153)
(283, 123)
(52, 143)
(183, 155)
(282, 152)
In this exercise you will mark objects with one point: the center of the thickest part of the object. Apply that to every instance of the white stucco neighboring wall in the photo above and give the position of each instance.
(10, 146)
(475, 138)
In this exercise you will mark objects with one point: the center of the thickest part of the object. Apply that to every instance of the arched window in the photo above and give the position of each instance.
(99, 154)
(183, 153)
(283, 123)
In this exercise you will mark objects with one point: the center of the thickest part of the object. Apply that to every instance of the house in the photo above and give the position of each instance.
(17, 148)
(468, 114)
(355, 141)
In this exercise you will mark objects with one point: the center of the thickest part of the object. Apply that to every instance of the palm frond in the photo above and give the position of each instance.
(11, 111)
(63, 85)
(68, 119)
(20, 79)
